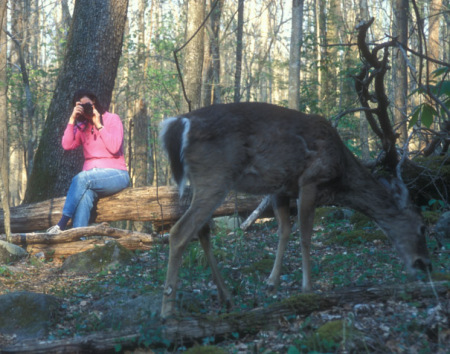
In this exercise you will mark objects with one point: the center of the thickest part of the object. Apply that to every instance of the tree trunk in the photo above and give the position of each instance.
(4, 145)
(401, 71)
(363, 124)
(193, 57)
(322, 72)
(156, 204)
(239, 39)
(141, 140)
(294, 54)
(93, 50)
(213, 91)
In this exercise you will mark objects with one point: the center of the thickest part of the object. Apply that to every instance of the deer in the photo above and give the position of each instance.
(265, 149)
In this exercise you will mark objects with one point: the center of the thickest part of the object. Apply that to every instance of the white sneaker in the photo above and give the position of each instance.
(54, 230)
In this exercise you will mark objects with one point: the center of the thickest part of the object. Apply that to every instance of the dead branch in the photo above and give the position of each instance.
(82, 239)
(256, 213)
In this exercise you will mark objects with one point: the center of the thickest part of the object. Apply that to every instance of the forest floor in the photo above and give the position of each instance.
(345, 253)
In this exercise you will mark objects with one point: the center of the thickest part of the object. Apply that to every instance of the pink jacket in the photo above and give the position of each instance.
(102, 148)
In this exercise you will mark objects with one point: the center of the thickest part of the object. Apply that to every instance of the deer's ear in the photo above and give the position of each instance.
(398, 190)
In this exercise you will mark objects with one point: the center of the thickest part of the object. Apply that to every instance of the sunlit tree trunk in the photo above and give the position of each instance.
(263, 73)
(91, 59)
(193, 55)
(20, 38)
(446, 32)
(400, 30)
(294, 54)
(363, 124)
(239, 39)
(434, 44)
(322, 58)
(4, 145)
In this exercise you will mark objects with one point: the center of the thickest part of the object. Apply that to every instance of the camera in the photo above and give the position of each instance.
(88, 109)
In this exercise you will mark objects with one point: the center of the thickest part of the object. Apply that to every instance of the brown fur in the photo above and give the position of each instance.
(260, 148)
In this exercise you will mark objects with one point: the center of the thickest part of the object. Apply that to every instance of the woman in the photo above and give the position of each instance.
(104, 170)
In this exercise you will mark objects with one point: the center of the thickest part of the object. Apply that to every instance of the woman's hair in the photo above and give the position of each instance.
(78, 95)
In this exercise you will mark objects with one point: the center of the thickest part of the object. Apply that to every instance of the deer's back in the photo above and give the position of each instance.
(261, 148)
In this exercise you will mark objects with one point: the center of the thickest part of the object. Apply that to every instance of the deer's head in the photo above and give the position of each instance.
(405, 228)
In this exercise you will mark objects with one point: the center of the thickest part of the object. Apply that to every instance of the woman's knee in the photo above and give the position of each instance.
(80, 179)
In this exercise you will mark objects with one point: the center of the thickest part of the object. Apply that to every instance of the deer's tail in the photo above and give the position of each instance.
(174, 135)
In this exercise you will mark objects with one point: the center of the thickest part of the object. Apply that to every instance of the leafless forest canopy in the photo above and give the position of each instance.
(300, 54)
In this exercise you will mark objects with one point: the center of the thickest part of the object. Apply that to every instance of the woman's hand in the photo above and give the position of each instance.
(96, 118)
(77, 110)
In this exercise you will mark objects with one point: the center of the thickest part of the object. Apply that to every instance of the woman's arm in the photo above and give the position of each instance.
(112, 134)
(71, 138)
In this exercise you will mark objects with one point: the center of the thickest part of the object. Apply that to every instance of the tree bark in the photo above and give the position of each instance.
(74, 241)
(363, 124)
(213, 90)
(193, 62)
(239, 45)
(155, 204)
(401, 70)
(322, 53)
(192, 328)
(294, 54)
(434, 45)
(4, 145)
(94, 46)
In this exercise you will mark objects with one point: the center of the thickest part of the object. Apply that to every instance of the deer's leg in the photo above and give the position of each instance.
(181, 233)
(224, 295)
(307, 197)
(281, 210)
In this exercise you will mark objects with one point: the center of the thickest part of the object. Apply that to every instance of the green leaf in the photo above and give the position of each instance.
(440, 71)
(428, 113)
(415, 116)
(443, 88)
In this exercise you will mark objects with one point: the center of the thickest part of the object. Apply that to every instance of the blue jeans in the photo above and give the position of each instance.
(87, 187)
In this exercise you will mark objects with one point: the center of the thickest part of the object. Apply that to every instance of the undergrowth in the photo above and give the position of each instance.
(345, 253)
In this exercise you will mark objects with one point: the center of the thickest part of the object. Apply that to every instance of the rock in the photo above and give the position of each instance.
(98, 259)
(125, 310)
(341, 214)
(26, 314)
(11, 253)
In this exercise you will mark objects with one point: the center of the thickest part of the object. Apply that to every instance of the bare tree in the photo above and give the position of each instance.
(401, 70)
(434, 27)
(193, 56)
(322, 55)
(94, 47)
(294, 54)
(19, 37)
(239, 44)
(213, 88)
(4, 146)
(363, 124)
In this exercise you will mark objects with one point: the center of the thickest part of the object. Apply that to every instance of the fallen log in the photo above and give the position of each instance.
(192, 328)
(81, 239)
(160, 205)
